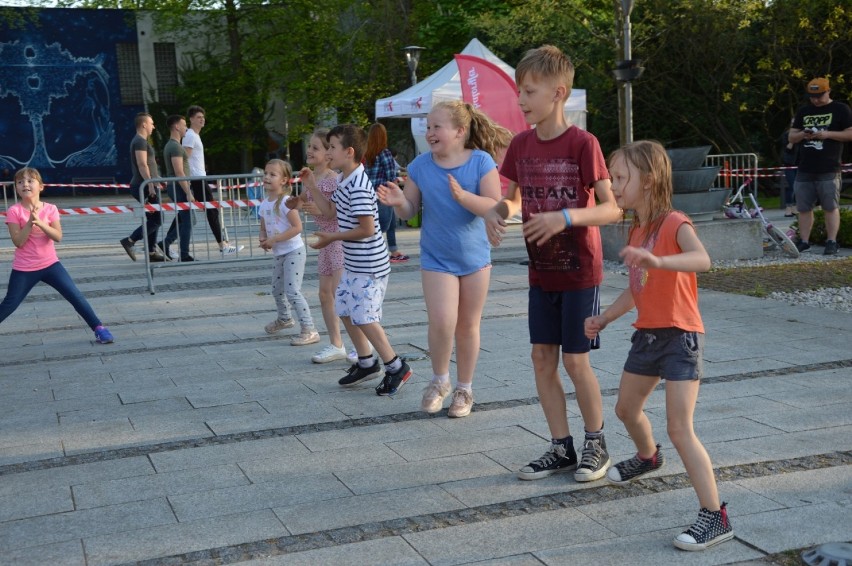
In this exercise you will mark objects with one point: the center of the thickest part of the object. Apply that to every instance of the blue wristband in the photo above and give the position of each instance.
(567, 217)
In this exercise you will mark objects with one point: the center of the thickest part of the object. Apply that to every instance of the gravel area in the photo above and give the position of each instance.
(812, 279)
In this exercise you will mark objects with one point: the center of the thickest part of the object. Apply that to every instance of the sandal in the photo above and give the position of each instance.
(399, 258)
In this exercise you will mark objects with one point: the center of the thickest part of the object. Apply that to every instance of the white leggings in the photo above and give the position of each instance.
(287, 273)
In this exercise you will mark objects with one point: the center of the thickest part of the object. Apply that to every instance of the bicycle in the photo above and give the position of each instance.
(736, 207)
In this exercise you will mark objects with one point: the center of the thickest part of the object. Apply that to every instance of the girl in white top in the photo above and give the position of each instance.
(281, 232)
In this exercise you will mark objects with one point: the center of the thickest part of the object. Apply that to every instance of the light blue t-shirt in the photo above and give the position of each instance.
(452, 239)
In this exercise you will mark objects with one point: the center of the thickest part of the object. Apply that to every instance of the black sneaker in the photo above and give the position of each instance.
(557, 459)
(394, 380)
(712, 527)
(357, 374)
(802, 246)
(830, 247)
(594, 460)
(635, 467)
(187, 257)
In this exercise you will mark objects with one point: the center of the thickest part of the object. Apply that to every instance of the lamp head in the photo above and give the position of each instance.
(412, 56)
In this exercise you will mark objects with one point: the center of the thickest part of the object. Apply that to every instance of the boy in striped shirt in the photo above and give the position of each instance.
(366, 267)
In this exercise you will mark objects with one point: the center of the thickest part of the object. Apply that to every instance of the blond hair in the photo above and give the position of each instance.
(547, 62)
(655, 171)
(23, 172)
(287, 173)
(481, 131)
(322, 135)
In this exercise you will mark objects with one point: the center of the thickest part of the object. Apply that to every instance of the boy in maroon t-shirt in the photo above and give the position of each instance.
(556, 171)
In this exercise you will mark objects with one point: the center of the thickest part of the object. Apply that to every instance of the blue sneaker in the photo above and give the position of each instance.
(103, 335)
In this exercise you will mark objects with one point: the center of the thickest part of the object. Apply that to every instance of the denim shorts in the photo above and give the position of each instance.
(668, 353)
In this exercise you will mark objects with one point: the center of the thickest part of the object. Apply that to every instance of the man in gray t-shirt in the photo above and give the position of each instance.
(177, 165)
(143, 164)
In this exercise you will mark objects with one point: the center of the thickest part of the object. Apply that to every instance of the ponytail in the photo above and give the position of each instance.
(482, 132)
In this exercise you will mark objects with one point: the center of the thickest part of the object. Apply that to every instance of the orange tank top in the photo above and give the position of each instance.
(663, 298)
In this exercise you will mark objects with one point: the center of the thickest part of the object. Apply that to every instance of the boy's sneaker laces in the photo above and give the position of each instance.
(594, 461)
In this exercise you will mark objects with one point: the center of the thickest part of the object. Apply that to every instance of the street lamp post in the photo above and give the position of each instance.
(412, 57)
(627, 70)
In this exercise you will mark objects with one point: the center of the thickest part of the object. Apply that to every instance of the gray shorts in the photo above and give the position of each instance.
(668, 353)
(817, 188)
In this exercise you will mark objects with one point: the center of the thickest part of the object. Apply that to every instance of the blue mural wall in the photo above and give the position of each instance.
(59, 96)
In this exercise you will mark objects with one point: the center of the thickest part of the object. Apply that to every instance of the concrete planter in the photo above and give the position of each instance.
(703, 205)
(694, 180)
(686, 158)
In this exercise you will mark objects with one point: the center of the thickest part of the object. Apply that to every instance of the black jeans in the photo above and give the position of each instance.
(153, 220)
(201, 191)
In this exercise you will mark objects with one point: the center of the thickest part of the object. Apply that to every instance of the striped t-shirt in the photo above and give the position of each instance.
(356, 197)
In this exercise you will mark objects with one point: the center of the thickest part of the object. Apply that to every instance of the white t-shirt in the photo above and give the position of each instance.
(278, 224)
(196, 160)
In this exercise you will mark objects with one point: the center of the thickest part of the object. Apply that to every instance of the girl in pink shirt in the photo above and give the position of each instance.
(34, 228)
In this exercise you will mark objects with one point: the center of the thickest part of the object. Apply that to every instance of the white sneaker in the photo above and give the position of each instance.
(329, 354)
(231, 249)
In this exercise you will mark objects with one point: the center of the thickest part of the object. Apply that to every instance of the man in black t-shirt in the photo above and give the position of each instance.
(823, 126)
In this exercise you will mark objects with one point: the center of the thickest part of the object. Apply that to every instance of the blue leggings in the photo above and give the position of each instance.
(22, 282)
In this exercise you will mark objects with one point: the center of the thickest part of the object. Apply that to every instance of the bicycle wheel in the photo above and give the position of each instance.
(782, 241)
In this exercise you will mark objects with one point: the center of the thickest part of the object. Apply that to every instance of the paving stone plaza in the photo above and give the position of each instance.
(196, 438)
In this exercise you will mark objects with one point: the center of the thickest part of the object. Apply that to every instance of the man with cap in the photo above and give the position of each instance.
(823, 126)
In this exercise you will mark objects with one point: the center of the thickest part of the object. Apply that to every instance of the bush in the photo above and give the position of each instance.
(844, 235)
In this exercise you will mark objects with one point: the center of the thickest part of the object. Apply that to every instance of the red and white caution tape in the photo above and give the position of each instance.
(119, 209)
(203, 205)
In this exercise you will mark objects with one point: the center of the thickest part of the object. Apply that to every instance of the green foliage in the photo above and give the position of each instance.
(729, 73)
(584, 29)
(818, 235)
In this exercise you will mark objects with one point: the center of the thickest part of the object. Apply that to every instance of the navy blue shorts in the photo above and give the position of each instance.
(668, 353)
(558, 317)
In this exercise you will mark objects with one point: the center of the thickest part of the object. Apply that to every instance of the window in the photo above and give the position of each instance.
(166, 64)
(129, 74)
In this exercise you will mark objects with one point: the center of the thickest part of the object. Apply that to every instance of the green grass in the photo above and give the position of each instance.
(763, 280)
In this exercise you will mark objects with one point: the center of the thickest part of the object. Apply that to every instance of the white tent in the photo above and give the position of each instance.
(416, 101)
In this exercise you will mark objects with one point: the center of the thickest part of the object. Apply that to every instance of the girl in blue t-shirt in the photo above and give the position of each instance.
(457, 182)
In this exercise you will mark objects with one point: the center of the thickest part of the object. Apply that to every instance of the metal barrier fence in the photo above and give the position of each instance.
(8, 188)
(235, 223)
(735, 169)
(235, 198)
(238, 197)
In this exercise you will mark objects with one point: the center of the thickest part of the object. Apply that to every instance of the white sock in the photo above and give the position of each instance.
(441, 379)
(465, 387)
(394, 364)
(367, 362)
